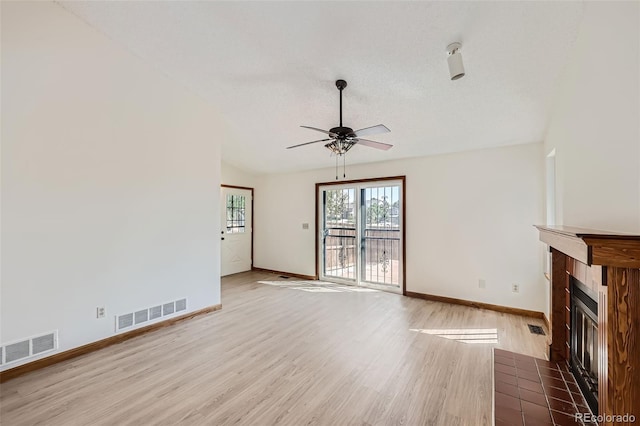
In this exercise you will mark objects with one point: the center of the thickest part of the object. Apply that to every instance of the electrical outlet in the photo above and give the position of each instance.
(305, 226)
(101, 312)
(515, 288)
(482, 283)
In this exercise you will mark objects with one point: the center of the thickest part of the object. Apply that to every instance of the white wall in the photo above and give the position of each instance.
(235, 176)
(594, 126)
(470, 216)
(110, 182)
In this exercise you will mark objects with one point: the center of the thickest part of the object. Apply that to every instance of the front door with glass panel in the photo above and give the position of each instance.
(361, 234)
(235, 244)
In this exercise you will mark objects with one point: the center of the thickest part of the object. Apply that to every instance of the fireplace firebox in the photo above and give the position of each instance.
(584, 342)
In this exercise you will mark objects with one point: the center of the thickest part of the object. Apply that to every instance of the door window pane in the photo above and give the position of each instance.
(235, 213)
(340, 233)
(381, 240)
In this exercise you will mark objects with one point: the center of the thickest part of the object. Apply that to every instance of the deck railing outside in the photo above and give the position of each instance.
(380, 254)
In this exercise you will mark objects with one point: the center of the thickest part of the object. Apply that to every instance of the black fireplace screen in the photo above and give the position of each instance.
(584, 342)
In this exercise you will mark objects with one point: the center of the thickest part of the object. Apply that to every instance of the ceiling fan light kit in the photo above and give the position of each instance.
(342, 139)
(456, 68)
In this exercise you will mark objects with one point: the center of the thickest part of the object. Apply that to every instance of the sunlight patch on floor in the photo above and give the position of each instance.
(319, 287)
(463, 335)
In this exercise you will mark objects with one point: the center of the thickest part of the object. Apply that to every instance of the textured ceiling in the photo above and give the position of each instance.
(270, 67)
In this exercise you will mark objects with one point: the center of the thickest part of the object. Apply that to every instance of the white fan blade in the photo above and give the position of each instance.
(307, 143)
(374, 144)
(326, 132)
(373, 130)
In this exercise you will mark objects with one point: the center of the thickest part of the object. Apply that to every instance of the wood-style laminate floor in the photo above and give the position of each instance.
(277, 355)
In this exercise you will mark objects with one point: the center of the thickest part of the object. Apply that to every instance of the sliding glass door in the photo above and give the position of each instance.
(361, 234)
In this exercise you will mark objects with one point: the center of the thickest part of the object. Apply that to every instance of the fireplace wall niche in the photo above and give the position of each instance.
(607, 267)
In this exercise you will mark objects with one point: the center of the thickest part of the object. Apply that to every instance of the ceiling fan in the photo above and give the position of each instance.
(342, 139)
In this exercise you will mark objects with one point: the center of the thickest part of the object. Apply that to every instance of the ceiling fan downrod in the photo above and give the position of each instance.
(341, 84)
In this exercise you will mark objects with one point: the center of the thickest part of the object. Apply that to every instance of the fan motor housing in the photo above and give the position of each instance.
(345, 132)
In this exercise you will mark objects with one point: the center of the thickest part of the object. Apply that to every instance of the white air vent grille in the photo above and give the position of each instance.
(43, 344)
(155, 312)
(29, 347)
(142, 316)
(17, 351)
(167, 309)
(181, 305)
(125, 321)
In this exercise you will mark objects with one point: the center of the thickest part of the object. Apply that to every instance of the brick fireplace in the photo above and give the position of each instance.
(595, 315)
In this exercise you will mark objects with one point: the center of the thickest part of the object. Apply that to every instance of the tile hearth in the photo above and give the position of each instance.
(529, 392)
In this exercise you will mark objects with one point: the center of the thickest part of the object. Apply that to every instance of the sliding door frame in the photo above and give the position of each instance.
(403, 181)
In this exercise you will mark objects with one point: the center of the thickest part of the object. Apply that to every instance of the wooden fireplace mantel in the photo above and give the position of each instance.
(594, 247)
(608, 264)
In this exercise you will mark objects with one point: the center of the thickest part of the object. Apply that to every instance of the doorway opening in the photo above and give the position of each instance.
(360, 233)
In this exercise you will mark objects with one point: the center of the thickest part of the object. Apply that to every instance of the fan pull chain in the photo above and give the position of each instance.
(336, 166)
(344, 165)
